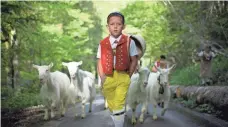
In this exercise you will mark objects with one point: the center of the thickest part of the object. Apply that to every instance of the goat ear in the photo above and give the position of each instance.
(174, 65)
(50, 65)
(64, 64)
(34, 66)
(80, 63)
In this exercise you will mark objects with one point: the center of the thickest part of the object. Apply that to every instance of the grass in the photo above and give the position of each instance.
(186, 76)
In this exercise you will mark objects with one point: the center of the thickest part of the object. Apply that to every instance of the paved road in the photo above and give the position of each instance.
(100, 118)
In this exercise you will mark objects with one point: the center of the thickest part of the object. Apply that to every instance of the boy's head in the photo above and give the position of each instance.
(116, 14)
(115, 24)
(207, 48)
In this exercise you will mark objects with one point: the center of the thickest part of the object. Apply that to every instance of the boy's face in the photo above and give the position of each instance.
(115, 26)
(162, 59)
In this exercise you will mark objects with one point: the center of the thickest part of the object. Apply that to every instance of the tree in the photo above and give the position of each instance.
(47, 32)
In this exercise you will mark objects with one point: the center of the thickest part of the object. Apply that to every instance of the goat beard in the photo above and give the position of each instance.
(161, 89)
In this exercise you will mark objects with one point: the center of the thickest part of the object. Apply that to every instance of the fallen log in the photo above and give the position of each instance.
(214, 95)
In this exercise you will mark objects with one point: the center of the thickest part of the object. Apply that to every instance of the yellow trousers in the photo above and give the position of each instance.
(115, 90)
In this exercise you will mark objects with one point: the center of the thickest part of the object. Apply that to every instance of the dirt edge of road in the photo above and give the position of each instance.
(203, 117)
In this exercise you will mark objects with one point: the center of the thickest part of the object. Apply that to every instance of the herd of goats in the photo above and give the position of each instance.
(58, 90)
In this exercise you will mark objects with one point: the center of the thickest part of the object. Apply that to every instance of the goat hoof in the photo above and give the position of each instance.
(83, 116)
(147, 113)
(141, 120)
(62, 115)
(163, 112)
(133, 121)
(52, 116)
(45, 118)
(90, 111)
(155, 117)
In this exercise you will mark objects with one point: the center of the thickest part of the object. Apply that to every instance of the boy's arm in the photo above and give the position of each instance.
(100, 71)
(133, 64)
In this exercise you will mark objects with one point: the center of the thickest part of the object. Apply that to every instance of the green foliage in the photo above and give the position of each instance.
(176, 29)
(48, 32)
(190, 103)
(206, 108)
(190, 75)
(152, 24)
(186, 76)
(24, 97)
(220, 63)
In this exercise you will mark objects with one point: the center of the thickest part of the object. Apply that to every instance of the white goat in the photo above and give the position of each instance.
(157, 91)
(84, 83)
(54, 90)
(137, 90)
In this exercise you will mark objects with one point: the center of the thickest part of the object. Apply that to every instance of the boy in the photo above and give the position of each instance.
(207, 56)
(117, 61)
(160, 63)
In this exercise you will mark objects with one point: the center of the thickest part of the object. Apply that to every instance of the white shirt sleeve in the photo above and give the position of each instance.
(213, 54)
(99, 52)
(200, 53)
(133, 48)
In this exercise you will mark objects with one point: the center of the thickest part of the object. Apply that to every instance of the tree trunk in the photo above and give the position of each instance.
(215, 95)
(13, 75)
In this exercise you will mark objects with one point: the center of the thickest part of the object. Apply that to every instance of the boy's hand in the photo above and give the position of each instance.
(103, 80)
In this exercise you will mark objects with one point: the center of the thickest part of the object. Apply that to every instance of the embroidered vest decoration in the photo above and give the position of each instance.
(121, 53)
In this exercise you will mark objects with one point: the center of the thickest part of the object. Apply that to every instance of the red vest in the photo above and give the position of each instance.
(160, 64)
(122, 55)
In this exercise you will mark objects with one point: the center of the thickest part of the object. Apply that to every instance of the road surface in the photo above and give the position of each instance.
(100, 118)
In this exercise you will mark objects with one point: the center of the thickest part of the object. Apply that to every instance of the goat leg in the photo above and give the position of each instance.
(46, 113)
(143, 110)
(165, 108)
(90, 105)
(155, 117)
(83, 111)
(133, 119)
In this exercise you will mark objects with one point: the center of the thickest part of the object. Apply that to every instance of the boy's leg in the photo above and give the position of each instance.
(109, 87)
(123, 80)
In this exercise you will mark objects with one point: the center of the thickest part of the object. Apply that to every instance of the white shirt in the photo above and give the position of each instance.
(202, 52)
(133, 49)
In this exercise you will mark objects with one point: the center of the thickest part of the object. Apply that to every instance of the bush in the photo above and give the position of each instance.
(23, 97)
(190, 75)
(186, 76)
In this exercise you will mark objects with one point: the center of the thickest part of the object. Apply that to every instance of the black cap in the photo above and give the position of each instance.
(162, 57)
